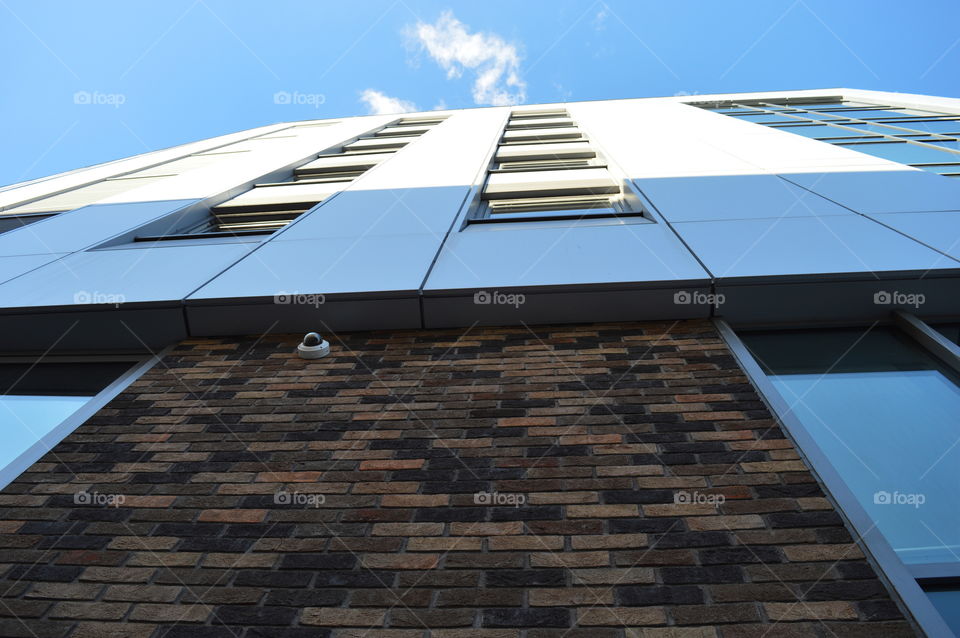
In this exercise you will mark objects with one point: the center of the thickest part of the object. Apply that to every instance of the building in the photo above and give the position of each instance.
(679, 367)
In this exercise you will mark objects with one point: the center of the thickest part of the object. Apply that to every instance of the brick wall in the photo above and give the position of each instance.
(236, 490)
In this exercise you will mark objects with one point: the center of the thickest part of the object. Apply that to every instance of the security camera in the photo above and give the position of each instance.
(313, 346)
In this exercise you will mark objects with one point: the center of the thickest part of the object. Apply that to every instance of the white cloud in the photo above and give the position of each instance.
(379, 103)
(494, 61)
(600, 20)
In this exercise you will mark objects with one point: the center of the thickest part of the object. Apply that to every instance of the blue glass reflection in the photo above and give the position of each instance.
(26, 419)
(904, 152)
(887, 416)
(947, 602)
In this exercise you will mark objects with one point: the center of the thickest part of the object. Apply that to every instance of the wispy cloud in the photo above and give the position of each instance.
(379, 103)
(600, 20)
(494, 61)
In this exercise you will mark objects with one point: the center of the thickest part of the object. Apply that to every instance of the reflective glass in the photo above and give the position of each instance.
(903, 152)
(820, 131)
(870, 114)
(36, 398)
(824, 116)
(930, 126)
(953, 145)
(947, 602)
(887, 416)
(764, 118)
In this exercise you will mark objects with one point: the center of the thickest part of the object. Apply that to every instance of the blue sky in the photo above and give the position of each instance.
(153, 75)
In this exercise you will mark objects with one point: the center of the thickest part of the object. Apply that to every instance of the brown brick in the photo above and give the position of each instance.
(810, 553)
(569, 559)
(408, 529)
(609, 541)
(486, 529)
(532, 542)
(602, 511)
(233, 516)
(89, 610)
(524, 422)
(415, 500)
(621, 616)
(808, 610)
(570, 596)
(394, 464)
(337, 617)
(289, 477)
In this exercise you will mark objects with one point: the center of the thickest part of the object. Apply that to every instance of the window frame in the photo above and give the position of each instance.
(909, 582)
(139, 364)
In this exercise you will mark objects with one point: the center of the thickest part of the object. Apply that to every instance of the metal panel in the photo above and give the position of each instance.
(103, 328)
(11, 267)
(825, 301)
(212, 319)
(86, 195)
(684, 199)
(388, 212)
(524, 255)
(108, 277)
(937, 230)
(904, 191)
(806, 245)
(84, 227)
(482, 307)
(176, 167)
(337, 265)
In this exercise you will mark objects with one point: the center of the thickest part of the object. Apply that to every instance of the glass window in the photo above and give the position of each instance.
(947, 602)
(928, 126)
(767, 118)
(953, 145)
(821, 131)
(887, 416)
(872, 114)
(13, 222)
(824, 105)
(824, 116)
(36, 398)
(903, 152)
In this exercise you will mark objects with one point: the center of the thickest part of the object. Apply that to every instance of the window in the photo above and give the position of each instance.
(922, 139)
(545, 169)
(947, 602)
(37, 398)
(270, 206)
(877, 411)
(13, 222)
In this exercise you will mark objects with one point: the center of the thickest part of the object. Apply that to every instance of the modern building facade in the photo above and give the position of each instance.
(677, 367)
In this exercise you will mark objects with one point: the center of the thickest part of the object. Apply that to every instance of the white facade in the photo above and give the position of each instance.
(778, 226)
